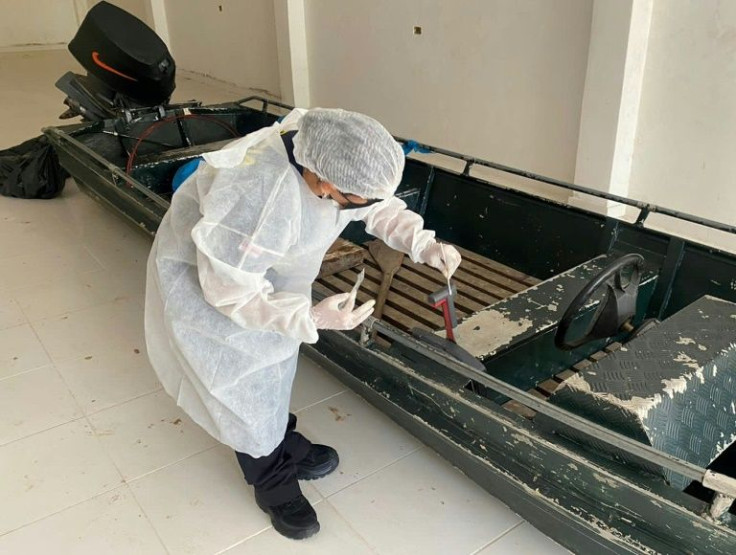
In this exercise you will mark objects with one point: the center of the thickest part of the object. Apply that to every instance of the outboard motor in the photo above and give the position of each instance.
(128, 66)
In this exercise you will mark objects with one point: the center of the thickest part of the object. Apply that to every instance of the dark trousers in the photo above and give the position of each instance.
(274, 476)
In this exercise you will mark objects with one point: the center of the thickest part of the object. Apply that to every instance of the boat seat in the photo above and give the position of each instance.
(673, 388)
(531, 312)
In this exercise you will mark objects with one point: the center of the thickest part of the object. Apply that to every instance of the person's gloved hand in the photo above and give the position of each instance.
(338, 312)
(442, 256)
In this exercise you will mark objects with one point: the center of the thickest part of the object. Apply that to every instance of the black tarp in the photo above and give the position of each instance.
(31, 170)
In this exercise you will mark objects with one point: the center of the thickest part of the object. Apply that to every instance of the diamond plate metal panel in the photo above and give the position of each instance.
(673, 387)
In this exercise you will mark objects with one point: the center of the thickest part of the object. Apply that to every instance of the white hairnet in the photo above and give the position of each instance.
(352, 151)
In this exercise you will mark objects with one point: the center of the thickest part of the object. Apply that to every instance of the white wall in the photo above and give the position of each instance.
(492, 78)
(237, 44)
(685, 152)
(139, 8)
(39, 23)
(31, 24)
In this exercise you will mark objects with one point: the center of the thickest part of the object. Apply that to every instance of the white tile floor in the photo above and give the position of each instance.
(95, 458)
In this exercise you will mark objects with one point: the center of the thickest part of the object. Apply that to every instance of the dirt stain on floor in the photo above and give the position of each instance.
(338, 416)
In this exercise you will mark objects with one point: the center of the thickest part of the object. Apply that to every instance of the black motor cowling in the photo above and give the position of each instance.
(127, 65)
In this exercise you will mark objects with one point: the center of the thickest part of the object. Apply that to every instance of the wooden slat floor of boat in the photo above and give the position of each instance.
(546, 388)
(480, 282)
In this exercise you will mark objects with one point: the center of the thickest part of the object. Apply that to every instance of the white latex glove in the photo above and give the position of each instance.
(328, 315)
(442, 256)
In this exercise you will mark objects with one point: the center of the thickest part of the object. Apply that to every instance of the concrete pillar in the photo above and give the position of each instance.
(613, 86)
(80, 10)
(291, 39)
(157, 15)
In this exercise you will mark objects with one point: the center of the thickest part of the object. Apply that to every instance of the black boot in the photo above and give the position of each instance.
(294, 519)
(318, 463)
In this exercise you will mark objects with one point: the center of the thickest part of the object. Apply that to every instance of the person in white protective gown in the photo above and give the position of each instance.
(228, 295)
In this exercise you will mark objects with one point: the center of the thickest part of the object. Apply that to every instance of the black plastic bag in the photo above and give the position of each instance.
(31, 170)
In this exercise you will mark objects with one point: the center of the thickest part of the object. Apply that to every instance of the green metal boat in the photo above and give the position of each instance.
(593, 384)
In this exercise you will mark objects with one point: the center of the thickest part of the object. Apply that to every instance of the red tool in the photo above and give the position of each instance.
(445, 298)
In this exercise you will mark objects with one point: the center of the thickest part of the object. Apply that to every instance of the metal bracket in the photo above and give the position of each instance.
(366, 331)
(720, 483)
(643, 214)
(720, 504)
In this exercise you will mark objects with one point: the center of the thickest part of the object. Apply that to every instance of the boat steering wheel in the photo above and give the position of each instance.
(614, 313)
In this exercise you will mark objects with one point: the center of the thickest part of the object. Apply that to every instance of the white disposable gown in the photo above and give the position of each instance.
(228, 292)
